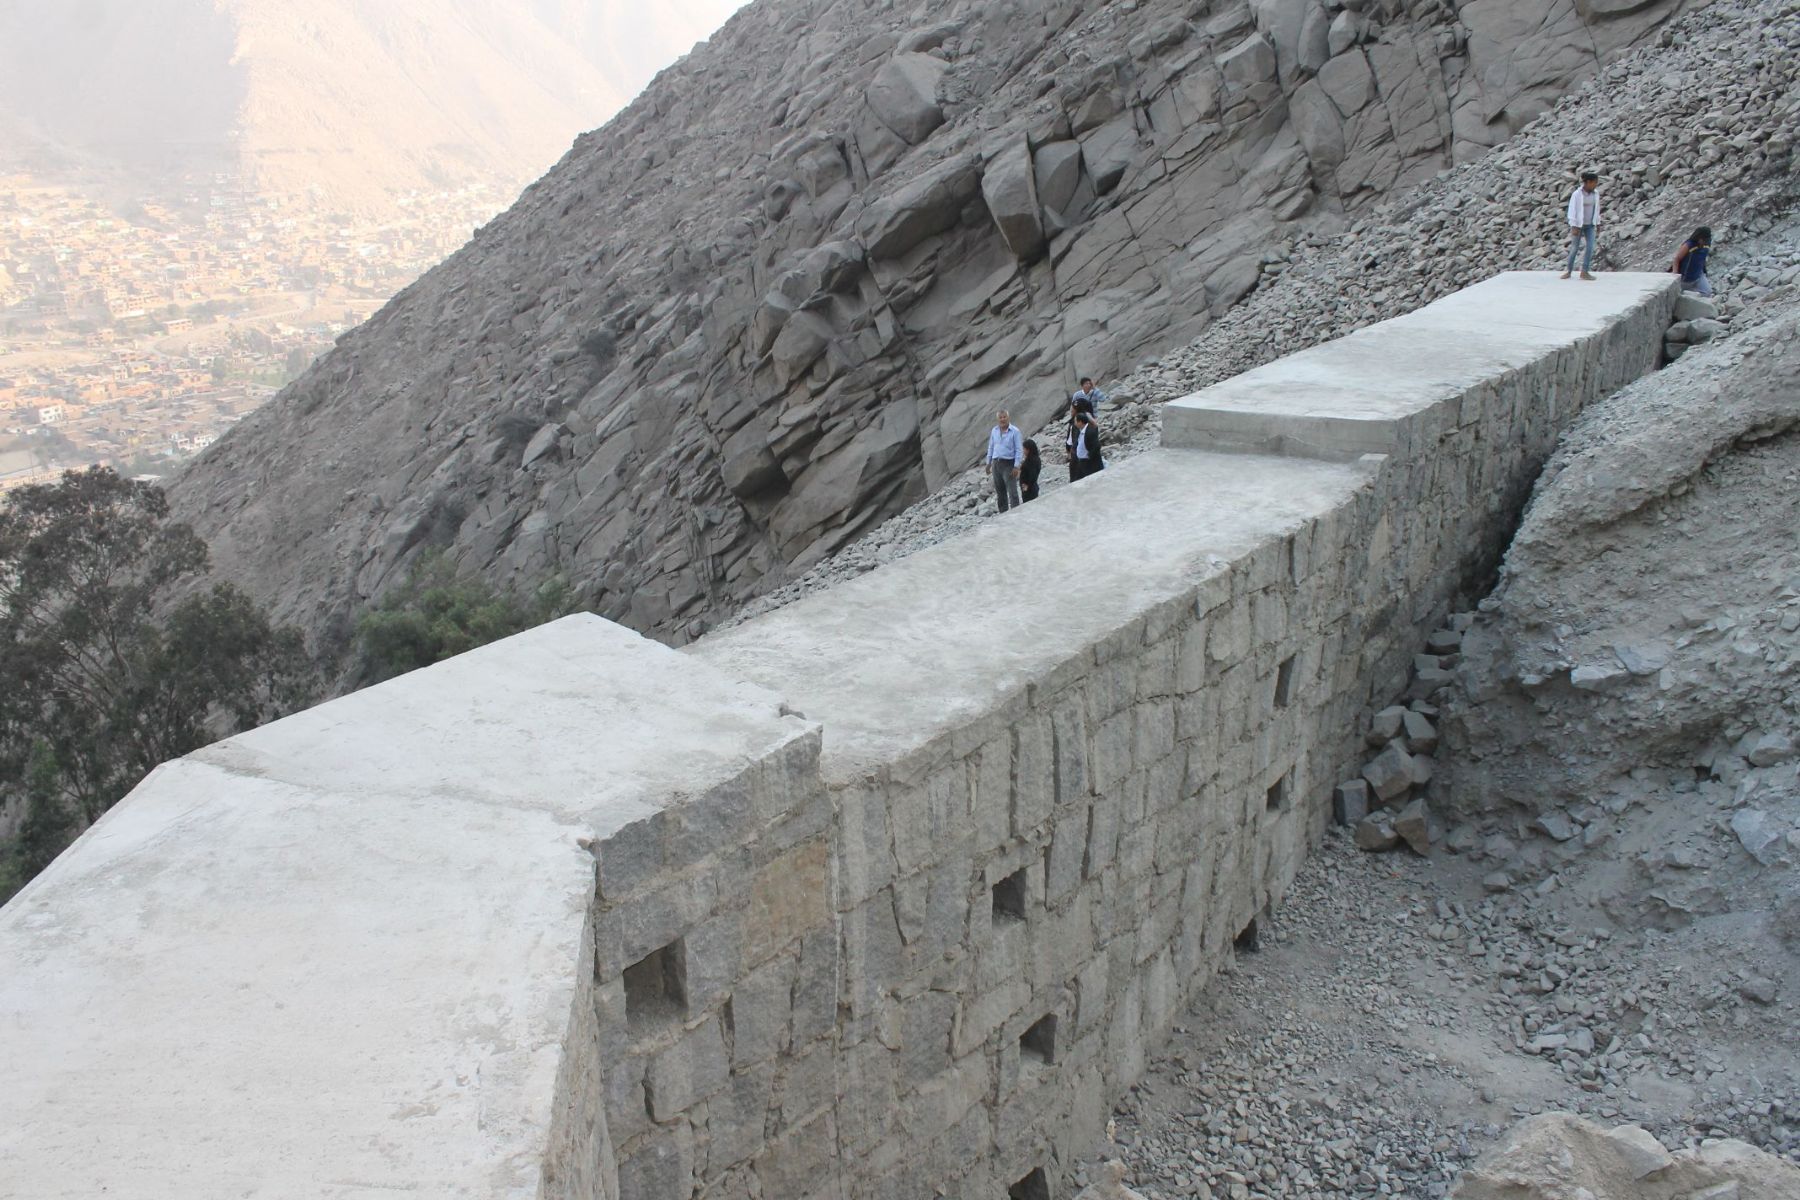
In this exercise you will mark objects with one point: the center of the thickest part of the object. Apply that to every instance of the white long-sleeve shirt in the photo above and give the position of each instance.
(1578, 201)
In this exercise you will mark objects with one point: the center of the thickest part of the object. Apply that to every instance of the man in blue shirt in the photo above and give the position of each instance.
(1005, 453)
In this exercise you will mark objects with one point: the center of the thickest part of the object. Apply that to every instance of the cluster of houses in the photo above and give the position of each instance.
(136, 338)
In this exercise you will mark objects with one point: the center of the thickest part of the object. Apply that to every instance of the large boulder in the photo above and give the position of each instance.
(748, 465)
(1057, 170)
(904, 95)
(1250, 62)
(924, 208)
(1010, 189)
(1349, 82)
(1109, 151)
(1553, 1156)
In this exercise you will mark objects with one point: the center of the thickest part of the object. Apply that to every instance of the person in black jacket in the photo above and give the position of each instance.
(1076, 408)
(1028, 472)
(1084, 455)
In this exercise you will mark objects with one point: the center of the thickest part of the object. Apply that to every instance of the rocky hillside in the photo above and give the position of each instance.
(778, 298)
(1695, 130)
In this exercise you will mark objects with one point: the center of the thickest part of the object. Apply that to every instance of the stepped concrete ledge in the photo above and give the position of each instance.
(341, 955)
(887, 893)
(929, 646)
(1385, 389)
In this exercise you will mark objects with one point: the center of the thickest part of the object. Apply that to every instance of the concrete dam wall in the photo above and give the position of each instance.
(887, 893)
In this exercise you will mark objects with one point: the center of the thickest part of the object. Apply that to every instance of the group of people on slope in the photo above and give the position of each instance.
(1584, 226)
(1013, 460)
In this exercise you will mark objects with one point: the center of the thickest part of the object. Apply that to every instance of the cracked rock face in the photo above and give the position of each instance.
(780, 297)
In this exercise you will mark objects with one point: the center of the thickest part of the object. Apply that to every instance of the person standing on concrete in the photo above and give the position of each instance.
(1028, 472)
(1584, 220)
(1076, 408)
(1084, 455)
(1005, 455)
(1690, 262)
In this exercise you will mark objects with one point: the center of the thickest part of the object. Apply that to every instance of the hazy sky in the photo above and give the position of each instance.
(360, 95)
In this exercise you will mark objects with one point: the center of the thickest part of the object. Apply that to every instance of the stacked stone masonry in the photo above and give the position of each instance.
(888, 893)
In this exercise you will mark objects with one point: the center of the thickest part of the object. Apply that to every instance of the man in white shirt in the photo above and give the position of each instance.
(1005, 455)
(1584, 219)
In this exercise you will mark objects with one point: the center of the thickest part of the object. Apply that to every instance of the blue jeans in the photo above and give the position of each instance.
(1585, 234)
(1699, 283)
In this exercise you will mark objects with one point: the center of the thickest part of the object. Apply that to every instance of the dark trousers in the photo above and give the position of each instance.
(1006, 486)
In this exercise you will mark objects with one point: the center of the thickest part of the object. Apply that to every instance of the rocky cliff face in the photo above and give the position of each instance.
(779, 297)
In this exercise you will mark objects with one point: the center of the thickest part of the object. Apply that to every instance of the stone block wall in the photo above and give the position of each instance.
(1022, 903)
(912, 943)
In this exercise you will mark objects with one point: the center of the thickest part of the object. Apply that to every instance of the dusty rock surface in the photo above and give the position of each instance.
(1556, 1155)
(1738, 60)
(778, 299)
(1395, 1018)
(1608, 922)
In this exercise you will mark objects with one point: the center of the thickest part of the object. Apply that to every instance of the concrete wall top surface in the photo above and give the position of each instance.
(1356, 394)
(348, 954)
(336, 956)
(949, 633)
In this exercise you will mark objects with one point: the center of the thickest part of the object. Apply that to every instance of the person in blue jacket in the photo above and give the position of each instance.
(1690, 262)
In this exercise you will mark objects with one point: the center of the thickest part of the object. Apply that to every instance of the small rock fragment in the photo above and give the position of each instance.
(1414, 826)
(1757, 833)
(1556, 824)
(1390, 773)
(1376, 832)
(1760, 989)
(1639, 1151)
(1386, 725)
(1421, 734)
(1350, 802)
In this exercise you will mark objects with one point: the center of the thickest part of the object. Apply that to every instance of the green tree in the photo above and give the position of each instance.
(109, 672)
(434, 616)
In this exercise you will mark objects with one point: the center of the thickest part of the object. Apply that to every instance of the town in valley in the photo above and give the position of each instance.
(133, 334)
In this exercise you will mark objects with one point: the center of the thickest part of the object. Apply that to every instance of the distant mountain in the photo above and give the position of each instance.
(358, 99)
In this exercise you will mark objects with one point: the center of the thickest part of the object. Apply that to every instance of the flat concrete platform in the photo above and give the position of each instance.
(1045, 582)
(1356, 395)
(336, 957)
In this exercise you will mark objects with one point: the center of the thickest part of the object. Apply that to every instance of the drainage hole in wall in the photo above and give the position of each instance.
(1009, 897)
(1284, 682)
(1033, 1187)
(1038, 1044)
(1277, 797)
(656, 990)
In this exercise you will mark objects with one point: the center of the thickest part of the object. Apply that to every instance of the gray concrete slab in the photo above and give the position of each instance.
(337, 956)
(1355, 395)
(581, 717)
(1046, 580)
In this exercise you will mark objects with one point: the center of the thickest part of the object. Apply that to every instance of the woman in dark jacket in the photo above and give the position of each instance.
(1084, 454)
(1028, 472)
